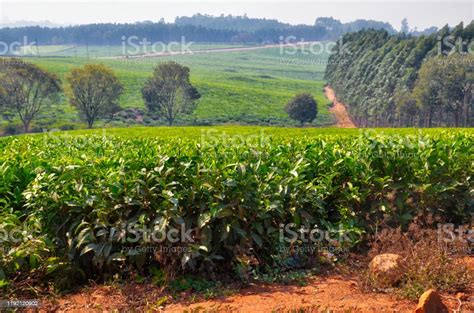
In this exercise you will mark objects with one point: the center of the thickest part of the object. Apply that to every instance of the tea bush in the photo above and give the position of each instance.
(75, 197)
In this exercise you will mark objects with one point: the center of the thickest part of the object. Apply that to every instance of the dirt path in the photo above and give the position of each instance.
(334, 293)
(330, 292)
(339, 110)
(201, 51)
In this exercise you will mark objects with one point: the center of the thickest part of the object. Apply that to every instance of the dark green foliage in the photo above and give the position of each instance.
(169, 92)
(67, 191)
(302, 108)
(377, 73)
(94, 91)
(198, 28)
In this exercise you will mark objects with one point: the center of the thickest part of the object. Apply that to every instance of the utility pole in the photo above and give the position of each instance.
(37, 49)
(87, 49)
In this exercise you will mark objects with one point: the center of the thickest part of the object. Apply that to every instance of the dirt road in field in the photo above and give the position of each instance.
(201, 51)
(339, 110)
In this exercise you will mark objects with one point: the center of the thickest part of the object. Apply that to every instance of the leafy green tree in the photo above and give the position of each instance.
(94, 90)
(444, 89)
(302, 108)
(25, 88)
(427, 91)
(457, 94)
(406, 108)
(169, 92)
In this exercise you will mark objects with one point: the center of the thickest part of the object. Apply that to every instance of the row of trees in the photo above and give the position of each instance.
(94, 90)
(399, 80)
(198, 28)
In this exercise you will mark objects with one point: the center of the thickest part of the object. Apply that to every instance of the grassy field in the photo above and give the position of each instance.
(83, 51)
(239, 87)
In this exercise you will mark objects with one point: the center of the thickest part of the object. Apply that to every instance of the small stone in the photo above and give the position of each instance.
(430, 302)
(387, 269)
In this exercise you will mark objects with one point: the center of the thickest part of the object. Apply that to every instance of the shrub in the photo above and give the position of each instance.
(302, 108)
(12, 129)
(74, 190)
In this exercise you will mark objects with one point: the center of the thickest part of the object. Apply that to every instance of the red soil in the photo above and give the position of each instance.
(331, 292)
(339, 110)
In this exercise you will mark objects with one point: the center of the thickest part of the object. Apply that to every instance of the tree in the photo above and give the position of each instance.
(427, 90)
(405, 29)
(399, 80)
(302, 108)
(444, 90)
(94, 90)
(169, 92)
(25, 88)
(457, 93)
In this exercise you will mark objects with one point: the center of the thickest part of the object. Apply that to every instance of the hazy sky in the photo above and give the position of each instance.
(420, 13)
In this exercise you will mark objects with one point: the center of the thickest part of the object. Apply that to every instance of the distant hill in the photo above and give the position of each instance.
(29, 23)
(244, 23)
(197, 28)
(230, 22)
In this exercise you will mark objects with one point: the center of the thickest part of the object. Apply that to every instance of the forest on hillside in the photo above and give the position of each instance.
(198, 28)
(399, 80)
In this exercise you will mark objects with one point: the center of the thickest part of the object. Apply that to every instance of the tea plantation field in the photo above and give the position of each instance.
(232, 186)
(238, 87)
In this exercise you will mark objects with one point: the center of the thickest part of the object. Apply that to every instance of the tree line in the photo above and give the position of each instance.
(94, 90)
(399, 80)
(198, 28)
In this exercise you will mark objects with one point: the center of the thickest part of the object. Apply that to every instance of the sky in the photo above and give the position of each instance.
(420, 13)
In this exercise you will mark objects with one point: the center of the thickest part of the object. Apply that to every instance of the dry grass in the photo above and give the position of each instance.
(429, 261)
